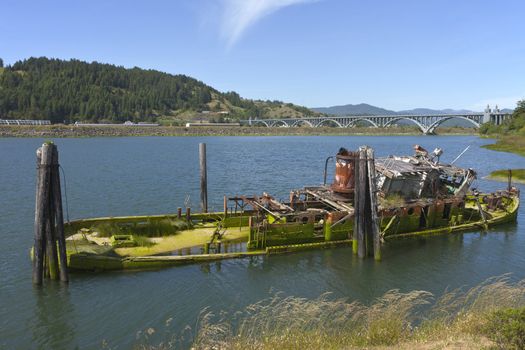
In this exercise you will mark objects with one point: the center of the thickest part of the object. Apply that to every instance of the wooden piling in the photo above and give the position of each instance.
(361, 202)
(225, 204)
(376, 234)
(509, 185)
(179, 213)
(355, 244)
(59, 217)
(51, 246)
(188, 214)
(204, 179)
(44, 159)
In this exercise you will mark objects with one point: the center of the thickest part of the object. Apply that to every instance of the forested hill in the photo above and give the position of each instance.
(59, 90)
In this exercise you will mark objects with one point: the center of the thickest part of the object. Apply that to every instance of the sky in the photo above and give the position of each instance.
(395, 54)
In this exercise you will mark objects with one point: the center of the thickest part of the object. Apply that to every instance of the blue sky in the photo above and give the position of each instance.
(396, 54)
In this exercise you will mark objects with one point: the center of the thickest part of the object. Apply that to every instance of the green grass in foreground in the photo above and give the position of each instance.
(518, 175)
(488, 316)
(509, 143)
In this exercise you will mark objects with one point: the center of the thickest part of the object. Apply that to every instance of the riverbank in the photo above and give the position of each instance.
(58, 131)
(508, 143)
(518, 175)
(490, 315)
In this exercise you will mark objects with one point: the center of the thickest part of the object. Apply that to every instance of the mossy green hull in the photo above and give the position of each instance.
(279, 238)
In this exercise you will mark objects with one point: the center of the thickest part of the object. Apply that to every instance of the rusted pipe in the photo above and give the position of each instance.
(326, 169)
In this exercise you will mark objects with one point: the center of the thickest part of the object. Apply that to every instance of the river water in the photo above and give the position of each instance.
(153, 175)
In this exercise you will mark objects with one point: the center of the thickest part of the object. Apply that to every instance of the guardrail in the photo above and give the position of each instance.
(24, 122)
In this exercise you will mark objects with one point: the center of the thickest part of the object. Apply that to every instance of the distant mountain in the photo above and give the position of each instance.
(434, 111)
(359, 109)
(366, 109)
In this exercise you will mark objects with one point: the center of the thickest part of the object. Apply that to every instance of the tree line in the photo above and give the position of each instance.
(73, 90)
(513, 125)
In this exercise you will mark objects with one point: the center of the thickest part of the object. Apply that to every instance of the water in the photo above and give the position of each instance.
(148, 175)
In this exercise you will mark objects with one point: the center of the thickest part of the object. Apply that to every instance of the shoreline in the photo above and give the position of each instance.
(507, 143)
(72, 131)
(518, 176)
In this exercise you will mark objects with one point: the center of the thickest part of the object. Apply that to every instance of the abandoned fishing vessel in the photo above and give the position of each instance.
(369, 201)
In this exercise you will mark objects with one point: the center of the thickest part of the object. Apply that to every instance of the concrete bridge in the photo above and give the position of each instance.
(427, 123)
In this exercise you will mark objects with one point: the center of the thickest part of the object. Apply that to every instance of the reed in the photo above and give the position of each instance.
(463, 317)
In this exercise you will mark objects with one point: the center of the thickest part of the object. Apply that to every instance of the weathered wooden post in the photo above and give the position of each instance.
(51, 246)
(59, 213)
(49, 219)
(361, 203)
(188, 214)
(43, 156)
(355, 245)
(250, 226)
(376, 234)
(179, 213)
(204, 178)
(225, 204)
(509, 185)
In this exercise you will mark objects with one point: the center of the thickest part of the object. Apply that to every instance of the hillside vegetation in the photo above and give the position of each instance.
(59, 90)
(511, 134)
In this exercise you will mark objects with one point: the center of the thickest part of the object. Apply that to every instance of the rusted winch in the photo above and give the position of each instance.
(344, 181)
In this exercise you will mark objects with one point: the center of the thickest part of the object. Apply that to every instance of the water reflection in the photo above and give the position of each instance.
(104, 179)
(54, 326)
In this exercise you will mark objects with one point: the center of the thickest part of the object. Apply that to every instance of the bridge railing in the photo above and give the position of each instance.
(24, 122)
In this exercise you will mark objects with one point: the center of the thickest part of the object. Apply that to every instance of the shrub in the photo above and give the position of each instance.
(507, 328)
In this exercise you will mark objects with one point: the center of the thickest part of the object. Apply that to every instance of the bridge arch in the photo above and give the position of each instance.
(302, 121)
(421, 127)
(279, 123)
(438, 122)
(355, 121)
(324, 121)
(258, 121)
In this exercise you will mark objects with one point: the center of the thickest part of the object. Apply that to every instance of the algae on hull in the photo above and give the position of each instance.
(419, 196)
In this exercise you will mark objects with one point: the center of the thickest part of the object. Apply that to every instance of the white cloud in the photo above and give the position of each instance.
(501, 102)
(239, 15)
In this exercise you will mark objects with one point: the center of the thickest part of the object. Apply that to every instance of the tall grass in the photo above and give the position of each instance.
(412, 320)
(149, 228)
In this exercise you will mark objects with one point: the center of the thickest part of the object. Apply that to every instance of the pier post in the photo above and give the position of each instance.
(188, 214)
(355, 244)
(179, 213)
(49, 219)
(374, 219)
(51, 246)
(59, 217)
(360, 188)
(204, 177)
(43, 156)
(225, 203)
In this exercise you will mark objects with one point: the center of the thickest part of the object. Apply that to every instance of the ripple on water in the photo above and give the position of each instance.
(148, 175)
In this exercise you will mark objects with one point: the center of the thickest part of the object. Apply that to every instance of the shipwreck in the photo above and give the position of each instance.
(368, 202)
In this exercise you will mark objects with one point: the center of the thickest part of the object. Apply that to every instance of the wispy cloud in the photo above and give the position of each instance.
(239, 15)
